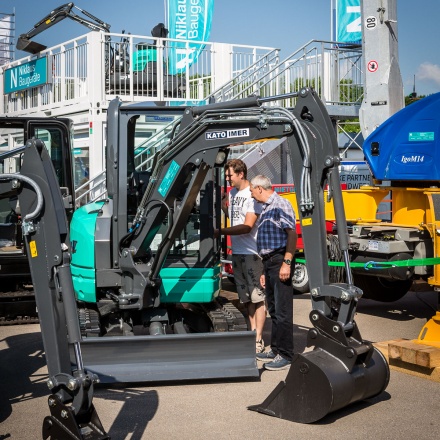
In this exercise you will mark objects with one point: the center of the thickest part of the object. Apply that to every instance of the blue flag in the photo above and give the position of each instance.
(349, 26)
(187, 20)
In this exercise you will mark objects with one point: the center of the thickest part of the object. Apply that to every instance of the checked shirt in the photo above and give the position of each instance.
(277, 215)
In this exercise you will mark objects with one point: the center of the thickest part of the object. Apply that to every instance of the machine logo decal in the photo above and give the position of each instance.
(415, 158)
(73, 246)
(169, 178)
(225, 134)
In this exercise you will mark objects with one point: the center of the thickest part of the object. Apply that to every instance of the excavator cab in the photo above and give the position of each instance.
(147, 52)
(17, 301)
(191, 270)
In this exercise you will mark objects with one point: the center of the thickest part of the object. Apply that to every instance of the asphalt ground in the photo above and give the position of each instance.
(408, 409)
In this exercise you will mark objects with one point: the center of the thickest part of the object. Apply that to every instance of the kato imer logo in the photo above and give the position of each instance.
(225, 134)
(413, 159)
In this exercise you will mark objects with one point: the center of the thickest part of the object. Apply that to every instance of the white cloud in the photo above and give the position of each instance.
(428, 72)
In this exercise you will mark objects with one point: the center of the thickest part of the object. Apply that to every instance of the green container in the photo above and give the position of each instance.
(82, 237)
(189, 285)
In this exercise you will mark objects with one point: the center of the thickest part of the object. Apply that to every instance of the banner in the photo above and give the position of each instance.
(348, 21)
(187, 20)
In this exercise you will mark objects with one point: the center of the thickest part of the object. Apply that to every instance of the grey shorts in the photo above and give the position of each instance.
(247, 272)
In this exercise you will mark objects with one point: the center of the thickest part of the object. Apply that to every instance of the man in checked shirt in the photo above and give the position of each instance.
(276, 244)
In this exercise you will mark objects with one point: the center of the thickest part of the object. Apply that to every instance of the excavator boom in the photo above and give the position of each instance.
(64, 11)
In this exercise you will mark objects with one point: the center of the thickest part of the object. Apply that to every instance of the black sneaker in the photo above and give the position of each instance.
(279, 363)
(267, 356)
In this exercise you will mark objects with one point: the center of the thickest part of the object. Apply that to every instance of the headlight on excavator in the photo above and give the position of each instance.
(221, 157)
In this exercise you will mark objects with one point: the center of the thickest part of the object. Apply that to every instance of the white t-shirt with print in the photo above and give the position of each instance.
(240, 203)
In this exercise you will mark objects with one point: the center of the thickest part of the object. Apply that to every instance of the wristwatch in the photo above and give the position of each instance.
(287, 261)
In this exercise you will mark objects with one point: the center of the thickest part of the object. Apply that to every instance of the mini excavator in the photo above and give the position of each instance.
(107, 274)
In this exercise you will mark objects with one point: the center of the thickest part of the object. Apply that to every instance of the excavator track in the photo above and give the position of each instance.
(89, 322)
(18, 307)
(225, 317)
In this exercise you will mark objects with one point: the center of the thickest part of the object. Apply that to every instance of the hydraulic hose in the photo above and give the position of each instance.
(37, 189)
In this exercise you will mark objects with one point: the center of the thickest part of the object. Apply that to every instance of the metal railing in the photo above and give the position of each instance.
(334, 71)
(97, 67)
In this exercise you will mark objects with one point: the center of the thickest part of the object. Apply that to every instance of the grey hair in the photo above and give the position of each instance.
(262, 181)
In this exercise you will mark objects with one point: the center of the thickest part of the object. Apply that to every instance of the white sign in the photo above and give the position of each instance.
(370, 22)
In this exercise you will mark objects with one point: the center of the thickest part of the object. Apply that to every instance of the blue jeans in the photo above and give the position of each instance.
(279, 296)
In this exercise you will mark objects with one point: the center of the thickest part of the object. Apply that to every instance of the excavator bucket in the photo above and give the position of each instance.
(29, 46)
(318, 383)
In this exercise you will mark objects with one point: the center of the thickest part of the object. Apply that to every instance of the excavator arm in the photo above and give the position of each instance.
(342, 368)
(46, 234)
(64, 11)
(203, 141)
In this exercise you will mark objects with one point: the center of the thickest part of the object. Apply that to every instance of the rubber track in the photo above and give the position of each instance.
(222, 313)
(18, 320)
(13, 303)
(225, 316)
(89, 322)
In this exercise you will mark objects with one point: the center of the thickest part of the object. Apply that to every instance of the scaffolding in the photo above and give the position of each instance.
(7, 34)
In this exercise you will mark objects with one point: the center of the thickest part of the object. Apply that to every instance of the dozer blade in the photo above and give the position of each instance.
(318, 383)
(171, 357)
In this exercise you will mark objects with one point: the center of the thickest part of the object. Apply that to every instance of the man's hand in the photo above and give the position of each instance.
(284, 272)
(263, 281)
(225, 199)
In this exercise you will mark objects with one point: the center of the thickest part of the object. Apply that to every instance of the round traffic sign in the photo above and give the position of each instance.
(372, 66)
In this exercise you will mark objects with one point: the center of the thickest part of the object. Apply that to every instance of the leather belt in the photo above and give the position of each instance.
(265, 257)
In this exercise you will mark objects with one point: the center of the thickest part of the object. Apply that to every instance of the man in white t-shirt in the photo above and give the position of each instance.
(243, 212)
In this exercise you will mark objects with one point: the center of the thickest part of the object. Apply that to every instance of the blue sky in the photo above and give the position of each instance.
(284, 24)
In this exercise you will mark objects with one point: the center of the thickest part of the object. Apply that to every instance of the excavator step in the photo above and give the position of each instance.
(411, 357)
(195, 356)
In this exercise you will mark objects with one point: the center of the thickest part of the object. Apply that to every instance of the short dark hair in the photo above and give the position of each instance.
(238, 166)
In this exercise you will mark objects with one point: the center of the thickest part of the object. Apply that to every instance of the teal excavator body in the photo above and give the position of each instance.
(179, 284)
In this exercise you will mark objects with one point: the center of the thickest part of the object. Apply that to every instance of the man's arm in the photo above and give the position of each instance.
(285, 270)
(245, 228)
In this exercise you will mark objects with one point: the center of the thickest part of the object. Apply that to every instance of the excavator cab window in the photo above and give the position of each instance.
(14, 133)
(52, 138)
(148, 134)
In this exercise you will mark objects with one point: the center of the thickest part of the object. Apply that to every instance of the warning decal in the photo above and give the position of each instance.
(33, 249)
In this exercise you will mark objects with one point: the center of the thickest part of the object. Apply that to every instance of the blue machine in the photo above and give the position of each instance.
(407, 145)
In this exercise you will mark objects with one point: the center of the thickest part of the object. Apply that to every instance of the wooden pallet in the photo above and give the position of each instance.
(410, 357)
